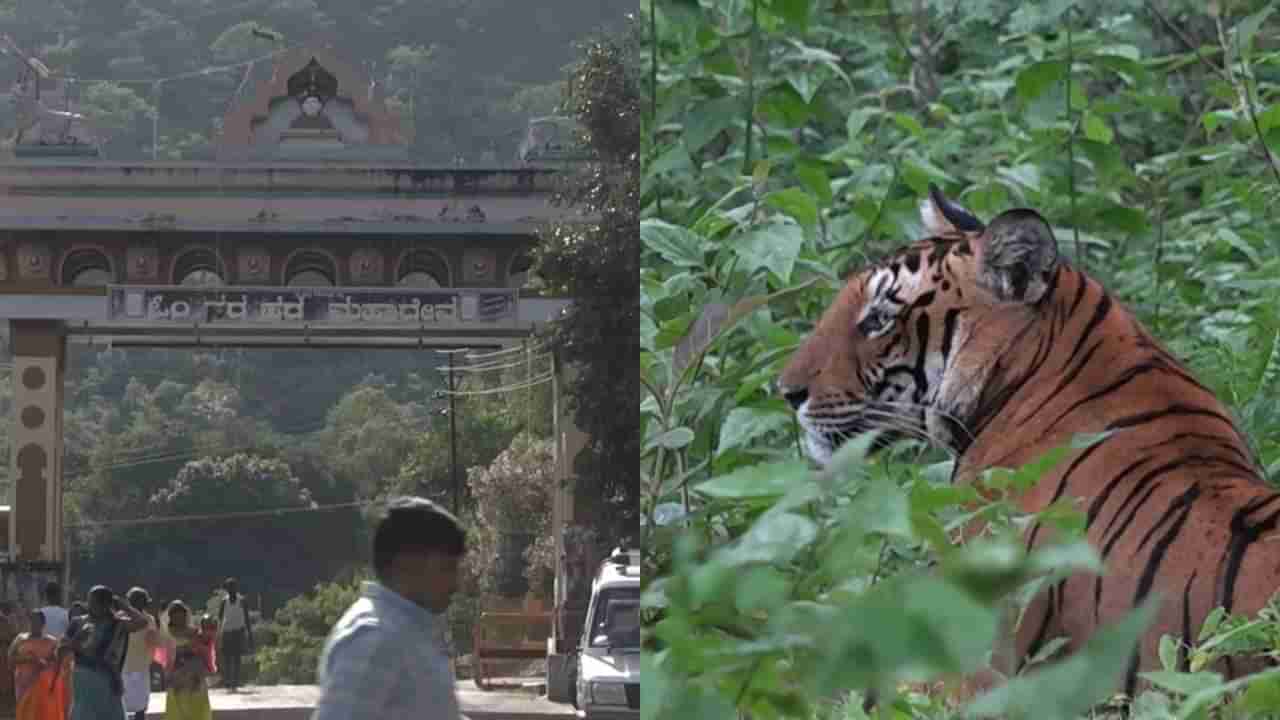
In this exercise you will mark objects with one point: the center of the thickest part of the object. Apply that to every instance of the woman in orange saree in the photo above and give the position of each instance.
(38, 680)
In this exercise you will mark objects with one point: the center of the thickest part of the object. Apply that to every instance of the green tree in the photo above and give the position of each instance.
(596, 261)
(290, 645)
(369, 436)
(513, 496)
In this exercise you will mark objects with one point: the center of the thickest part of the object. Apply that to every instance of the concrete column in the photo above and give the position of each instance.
(35, 497)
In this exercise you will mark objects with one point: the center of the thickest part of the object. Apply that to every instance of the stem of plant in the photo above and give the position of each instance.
(1071, 141)
(751, 86)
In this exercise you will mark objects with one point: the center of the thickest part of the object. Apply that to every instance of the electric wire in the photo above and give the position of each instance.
(492, 367)
(541, 380)
(173, 519)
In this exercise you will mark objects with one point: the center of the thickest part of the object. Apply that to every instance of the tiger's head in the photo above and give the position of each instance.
(914, 345)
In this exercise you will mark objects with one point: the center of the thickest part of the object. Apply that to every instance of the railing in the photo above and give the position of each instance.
(508, 636)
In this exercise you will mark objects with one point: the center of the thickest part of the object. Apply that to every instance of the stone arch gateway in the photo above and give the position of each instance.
(312, 184)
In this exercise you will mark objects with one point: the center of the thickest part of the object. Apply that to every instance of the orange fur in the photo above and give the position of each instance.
(981, 339)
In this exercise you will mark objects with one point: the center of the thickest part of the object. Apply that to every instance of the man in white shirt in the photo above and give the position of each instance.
(55, 616)
(383, 658)
(235, 634)
(137, 659)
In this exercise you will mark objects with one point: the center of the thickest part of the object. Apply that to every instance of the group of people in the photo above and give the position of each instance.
(385, 658)
(93, 661)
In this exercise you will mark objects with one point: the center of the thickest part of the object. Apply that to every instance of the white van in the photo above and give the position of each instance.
(608, 685)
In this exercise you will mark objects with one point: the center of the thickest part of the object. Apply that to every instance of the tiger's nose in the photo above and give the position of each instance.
(795, 395)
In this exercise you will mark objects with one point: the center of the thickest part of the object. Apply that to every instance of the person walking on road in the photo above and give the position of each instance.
(98, 641)
(235, 634)
(381, 660)
(36, 675)
(137, 659)
(188, 697)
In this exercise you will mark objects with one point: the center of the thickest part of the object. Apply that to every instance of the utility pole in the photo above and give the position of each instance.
(453, 429)
(453, 437)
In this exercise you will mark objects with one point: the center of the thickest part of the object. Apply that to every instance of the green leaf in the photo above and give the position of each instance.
(1192, 706)
(783, 106)
(1230, 237)
(706, 120)
(761, 588)
(794, 12)
(674, 439)
(675, 244)
(955, 631)
(774, 246)
(715, 321)
(814, 176)
(775, 538)
(1036, 78)
(1183, 683)
(806, 83)
(1214, 118)
(764, 480)
(1269, 118)
(881, 506)
(1025, 175)
(858, 119)
(1262, 696)
(1249, 26)
(1168, 652)
(795, 202)
(1061, 559)
(909, 123)
(1049, 650)
(744, 424)
(1095, 128)
(1125, 219)
(1070, 687)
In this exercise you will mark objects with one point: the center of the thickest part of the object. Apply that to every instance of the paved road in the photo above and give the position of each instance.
(295, 702)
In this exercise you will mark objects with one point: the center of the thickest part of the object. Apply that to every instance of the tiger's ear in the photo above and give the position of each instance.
(941, 216)
(1016, 256)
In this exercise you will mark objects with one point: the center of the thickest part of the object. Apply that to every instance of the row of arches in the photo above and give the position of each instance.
(307, 267)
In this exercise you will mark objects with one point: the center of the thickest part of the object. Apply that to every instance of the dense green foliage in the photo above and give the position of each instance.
(595, 258)
(464, 75)
(295, 637)
(784, 141)
(185, 468)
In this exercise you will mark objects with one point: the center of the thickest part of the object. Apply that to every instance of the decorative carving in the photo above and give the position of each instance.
(253, 265)
(143, 264)
(366, 267)
(478, 266)
(34, 261)
(322, 93)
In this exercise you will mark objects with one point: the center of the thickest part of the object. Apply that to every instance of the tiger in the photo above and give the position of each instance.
(983, 340)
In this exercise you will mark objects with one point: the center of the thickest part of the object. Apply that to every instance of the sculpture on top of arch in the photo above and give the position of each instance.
(314, 106)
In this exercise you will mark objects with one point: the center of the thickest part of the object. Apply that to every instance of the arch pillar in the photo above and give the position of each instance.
(35, 496)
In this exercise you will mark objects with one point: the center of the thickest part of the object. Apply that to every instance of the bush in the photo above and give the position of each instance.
(290, 645)
(513, 509)
(783, 143)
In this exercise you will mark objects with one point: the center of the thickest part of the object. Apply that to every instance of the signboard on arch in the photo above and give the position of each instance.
(451, 308)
